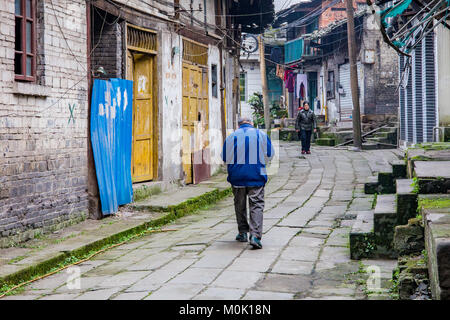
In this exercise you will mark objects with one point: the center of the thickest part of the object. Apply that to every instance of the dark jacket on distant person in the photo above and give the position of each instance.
(306, 120)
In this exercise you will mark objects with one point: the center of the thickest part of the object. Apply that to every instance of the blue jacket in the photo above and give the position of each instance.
(245, 152)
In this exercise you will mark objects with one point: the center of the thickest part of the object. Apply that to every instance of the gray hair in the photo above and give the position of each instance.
(242, 120)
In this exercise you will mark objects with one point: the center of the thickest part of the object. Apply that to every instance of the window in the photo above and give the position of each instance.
(242, 86)
(330, 85)
(25, 44)
(214, 80)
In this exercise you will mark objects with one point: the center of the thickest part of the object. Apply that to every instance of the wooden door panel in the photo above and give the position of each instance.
(195, 121)
(143, 118)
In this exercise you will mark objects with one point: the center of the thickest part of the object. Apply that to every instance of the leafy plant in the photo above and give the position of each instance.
(276, 112)
(257, 104)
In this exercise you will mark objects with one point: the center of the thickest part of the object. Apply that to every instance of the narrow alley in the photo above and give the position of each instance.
(311, 204)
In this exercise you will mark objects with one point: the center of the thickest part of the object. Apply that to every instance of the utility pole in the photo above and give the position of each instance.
(356, 115)
(262, 65)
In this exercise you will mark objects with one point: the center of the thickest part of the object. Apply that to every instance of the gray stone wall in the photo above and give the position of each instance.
(43, 162)
(381, 77)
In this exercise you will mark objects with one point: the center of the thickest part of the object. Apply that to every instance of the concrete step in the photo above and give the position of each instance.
(406, 200)
(362, 236)
(385, 220)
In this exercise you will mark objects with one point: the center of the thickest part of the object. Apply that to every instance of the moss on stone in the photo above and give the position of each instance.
(434, 203)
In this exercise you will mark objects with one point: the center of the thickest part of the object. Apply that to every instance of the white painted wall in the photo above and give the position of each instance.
(171, 107)
(250, 64)
(215, 124)
(443, 74)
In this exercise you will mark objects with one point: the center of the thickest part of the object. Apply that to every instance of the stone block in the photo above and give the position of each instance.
(409, 239)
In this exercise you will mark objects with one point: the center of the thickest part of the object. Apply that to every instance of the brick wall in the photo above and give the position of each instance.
(43, 163)
(336, 12)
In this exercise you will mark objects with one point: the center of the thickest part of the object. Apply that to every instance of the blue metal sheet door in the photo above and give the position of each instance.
(111, 130)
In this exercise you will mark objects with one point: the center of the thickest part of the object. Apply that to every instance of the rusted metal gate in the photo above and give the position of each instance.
(141, 68)
(195, 137)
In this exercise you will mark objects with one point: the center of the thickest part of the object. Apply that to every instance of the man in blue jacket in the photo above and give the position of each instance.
(246, 152)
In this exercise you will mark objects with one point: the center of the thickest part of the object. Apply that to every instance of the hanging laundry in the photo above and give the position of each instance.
(290, 82)
(276, 54)
(302, 86)
(280, 71)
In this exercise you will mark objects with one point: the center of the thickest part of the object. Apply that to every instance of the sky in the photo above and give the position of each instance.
(283, 4)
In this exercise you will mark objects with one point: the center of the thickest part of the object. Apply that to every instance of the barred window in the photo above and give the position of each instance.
(25, 40)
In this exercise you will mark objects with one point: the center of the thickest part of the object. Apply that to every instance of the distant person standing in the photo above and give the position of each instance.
(305, 124)
(246, 152)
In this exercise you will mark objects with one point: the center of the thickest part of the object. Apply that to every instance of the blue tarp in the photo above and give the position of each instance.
(111, 129)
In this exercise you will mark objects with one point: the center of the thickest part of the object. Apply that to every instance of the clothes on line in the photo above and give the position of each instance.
(302, 86)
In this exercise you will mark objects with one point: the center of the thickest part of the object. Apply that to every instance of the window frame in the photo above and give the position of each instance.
(214, 82)
(331, 94)
(23, 52)
(244, 74)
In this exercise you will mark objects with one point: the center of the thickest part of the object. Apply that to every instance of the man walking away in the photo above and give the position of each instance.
(305, 124)
(246, 152)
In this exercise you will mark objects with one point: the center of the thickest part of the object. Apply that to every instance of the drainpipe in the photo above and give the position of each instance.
(204, 16)
(222, 103)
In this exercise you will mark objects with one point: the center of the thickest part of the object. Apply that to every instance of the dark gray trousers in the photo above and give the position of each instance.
(256, 205)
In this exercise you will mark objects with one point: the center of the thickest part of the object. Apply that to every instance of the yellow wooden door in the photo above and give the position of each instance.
(195, 116)
(142, 164)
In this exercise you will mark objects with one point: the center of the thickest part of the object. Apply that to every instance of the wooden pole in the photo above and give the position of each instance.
(262, 65)
(356, 115)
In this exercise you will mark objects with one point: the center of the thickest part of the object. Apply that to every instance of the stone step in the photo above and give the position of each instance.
(385, 220)
(378, 140)
(362, 236)
(399, 168)
(376, 146)
(386, 181)
(432, 176)
(326, 142)
(369, 146)
(406, 200)
(371, 185)
(435, 210)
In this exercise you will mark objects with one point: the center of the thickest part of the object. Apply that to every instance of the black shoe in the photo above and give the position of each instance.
(242, 237)
(255, 242)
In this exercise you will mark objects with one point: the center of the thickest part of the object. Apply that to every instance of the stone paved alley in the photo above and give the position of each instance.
(310, 205)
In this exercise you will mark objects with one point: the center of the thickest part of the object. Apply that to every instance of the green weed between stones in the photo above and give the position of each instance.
(145, 192)
(434, 203)
(393, 290)
(415, 185)
(374, 201)
(190, 206)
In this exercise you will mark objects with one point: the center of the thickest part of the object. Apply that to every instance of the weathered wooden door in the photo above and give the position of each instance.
(195, 117)
(141, 67)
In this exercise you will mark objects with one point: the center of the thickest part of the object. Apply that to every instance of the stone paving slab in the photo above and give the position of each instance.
(305, 252)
